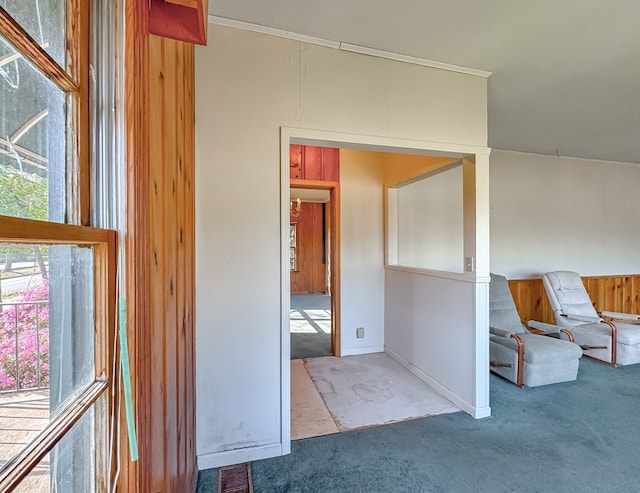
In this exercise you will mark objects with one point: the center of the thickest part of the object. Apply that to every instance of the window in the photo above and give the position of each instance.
(293, 246)
(57, 274)
(427, 222)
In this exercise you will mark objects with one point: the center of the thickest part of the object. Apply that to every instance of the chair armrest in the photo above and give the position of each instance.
(620, 316)
(500, 332)
(582, 318)
(550, 330)
(543, 327)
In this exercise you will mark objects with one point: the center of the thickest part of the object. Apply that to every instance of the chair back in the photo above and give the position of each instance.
(503, 313)
(567, 295)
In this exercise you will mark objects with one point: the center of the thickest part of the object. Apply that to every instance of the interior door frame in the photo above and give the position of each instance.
(334, 250)
(478, 158)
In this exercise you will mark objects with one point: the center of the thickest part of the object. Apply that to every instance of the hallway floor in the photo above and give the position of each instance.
(357, 392)
(310, 325)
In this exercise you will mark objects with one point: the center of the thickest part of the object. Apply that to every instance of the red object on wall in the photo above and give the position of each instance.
(184, 20)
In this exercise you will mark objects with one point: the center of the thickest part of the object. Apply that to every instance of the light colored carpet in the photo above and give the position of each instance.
(309, 416)
(373, 389)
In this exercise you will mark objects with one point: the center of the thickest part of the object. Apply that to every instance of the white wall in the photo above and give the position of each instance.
(433, 342)
(248, 86)
(550, 213)
(362, 252)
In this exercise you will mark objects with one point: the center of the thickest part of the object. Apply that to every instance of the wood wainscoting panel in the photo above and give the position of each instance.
(612, 293)
(531, 300)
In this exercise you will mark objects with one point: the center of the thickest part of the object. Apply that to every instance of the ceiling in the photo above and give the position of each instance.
(566, 74)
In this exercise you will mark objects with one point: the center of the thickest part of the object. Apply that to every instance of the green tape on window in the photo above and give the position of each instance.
(126, 380)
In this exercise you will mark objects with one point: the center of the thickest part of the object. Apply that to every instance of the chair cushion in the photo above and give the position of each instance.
(628, 334)
(570, 294)
(540, 350)
(503, 313)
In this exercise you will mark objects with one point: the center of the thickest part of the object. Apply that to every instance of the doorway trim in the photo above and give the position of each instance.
(479, 244)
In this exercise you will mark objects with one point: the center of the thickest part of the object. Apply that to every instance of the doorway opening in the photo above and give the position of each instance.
(314, 194)
(314, 287)
(310, 275)
(385, 303)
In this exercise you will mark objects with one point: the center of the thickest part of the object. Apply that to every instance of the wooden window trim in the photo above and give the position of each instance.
(78, 145)
(32, 51)
(23, 463)
(18, 230)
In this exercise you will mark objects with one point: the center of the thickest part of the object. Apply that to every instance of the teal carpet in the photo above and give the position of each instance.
(578, 436)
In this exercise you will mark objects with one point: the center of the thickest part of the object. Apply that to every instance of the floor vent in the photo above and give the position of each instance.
(235, 479)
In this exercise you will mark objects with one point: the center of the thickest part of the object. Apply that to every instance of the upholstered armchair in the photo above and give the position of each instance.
(520, 355)
(610, 337)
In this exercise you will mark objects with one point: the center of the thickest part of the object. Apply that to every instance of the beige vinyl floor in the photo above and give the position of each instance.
(309, 415)
(330, 394)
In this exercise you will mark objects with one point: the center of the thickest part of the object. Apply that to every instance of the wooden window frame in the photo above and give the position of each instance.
(27, 231)
(73, 80)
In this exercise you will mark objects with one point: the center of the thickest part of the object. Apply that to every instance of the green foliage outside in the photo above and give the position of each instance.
(23, 195)
(26, 196)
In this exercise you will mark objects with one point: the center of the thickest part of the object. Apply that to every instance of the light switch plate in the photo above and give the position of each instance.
(468, 264)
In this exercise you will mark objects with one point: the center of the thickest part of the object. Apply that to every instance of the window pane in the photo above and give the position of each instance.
(46, 336)
(23, 415)
(32, 141)
(71, 466)
(44, 20)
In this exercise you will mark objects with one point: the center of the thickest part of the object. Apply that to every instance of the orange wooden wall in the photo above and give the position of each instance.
(613, 293)
(311, 274)
(160, 146)
(314, 163)
(311, 164)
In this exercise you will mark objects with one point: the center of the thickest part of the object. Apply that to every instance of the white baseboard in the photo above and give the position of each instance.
(238, 456)
(362, 350)
(475, 412)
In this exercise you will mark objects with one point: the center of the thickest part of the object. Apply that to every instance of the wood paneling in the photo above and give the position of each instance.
(295, 162)
(331, 164)
(314, 163)
(159, 83)
(311, 274)
(612, 293)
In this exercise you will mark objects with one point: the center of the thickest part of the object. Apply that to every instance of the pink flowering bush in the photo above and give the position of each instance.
(33, 340)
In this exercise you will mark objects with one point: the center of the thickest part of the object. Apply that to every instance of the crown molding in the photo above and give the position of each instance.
(337, 45)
